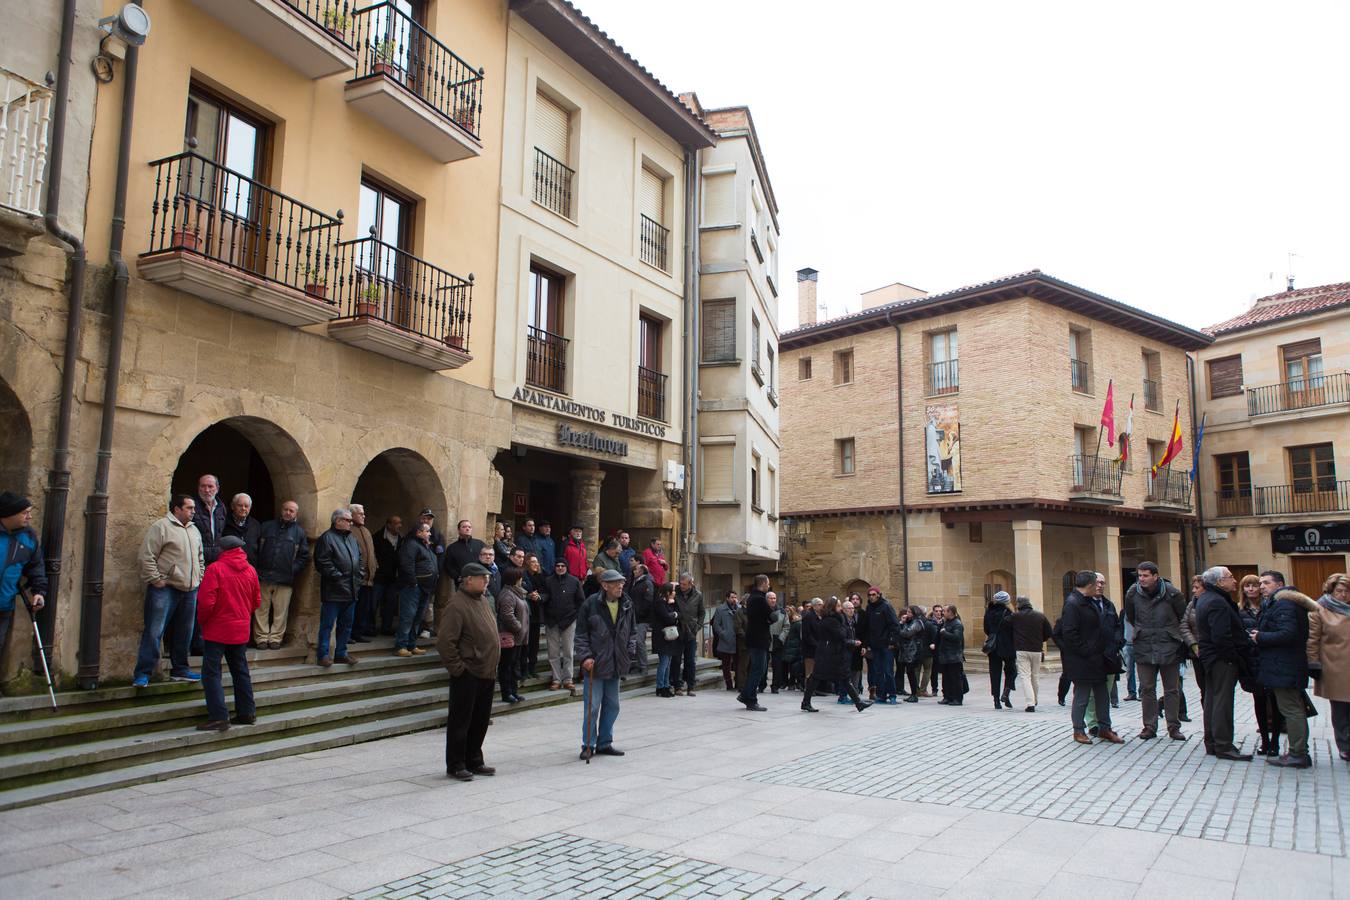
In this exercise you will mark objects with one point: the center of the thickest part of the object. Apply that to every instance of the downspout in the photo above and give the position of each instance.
(900, 445)
(58, 476)
(96, 507)
(691, 355)
(1198, 543)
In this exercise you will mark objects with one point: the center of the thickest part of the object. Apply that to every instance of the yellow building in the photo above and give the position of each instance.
(1274, 390)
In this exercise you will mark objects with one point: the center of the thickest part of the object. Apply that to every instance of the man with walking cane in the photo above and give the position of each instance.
(21, 554)
(606, 642)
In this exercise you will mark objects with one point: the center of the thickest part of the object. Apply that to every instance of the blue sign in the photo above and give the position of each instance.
(925, 565)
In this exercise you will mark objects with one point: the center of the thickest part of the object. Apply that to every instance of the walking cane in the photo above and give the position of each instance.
(586, 723)
(42, 653)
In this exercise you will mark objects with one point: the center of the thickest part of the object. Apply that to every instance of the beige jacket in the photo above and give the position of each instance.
(367, 552)
(172, 552)
(1329, 647)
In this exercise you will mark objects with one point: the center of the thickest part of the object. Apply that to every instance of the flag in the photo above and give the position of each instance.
(1174, 443)
(1125, 435)
(1199, 438)
(1109, 415)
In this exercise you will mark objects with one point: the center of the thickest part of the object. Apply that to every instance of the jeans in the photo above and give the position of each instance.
(1100, 694)
(330, 614)
(1148, 693)
(412, 604)
(467, 723)
(1221, 678)
(758, 668)
(1290, 703)
(174, 610)
(1131, 685)
(663, 670)
(237, 659)
(600, 698)
(881, 672)
(1029, 676)
(508, 672)
(560, 651)
(639, 666)
(690, 665)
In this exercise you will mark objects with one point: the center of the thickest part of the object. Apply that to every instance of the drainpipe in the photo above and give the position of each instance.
(58, 476)
(900, 444)
(1198, 542)
(96, 507)
(689, 537)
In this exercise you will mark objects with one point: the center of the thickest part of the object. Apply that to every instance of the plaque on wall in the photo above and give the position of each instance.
(1333, 537)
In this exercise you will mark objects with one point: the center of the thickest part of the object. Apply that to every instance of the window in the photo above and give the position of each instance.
(552, 153)
(804, 369)
(719, 330)
(754, 348)
(546, 348)
(546, 299)
(755, 503)
(719, 199)
(844, 456)
(227, 208)
(653, 234)
(382, 263)
(1152, 370)
(1233, 475)
(942, 362)
(769, 366)
(1156, 449)
(1080, 352)
(717, 480)
(843, 367)
(1084, 454)
(651, 379)
(1225, 376)
(771, 492)
(1302, 364)
(1312, 469)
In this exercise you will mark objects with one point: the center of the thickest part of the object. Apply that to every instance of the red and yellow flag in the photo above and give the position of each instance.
(1173, 444)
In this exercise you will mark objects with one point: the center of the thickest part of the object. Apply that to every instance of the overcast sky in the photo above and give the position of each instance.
(1167, 155)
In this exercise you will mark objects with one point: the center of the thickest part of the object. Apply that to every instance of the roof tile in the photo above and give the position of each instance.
(1286, 305)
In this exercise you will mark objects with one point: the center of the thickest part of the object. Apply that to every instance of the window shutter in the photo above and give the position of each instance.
(652, 196)
(1302, 349)
(1225, 376)
(718, 483)
(719, 330)
(552, 128)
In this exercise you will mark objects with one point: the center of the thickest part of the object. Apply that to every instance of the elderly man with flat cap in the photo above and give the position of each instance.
(470, 650)
(20, 561)
(606, 643)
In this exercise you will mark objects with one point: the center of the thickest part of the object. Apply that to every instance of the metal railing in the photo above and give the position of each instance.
(655, 241)
(389, 42)
(1094, 475)
(334, 16)
(1169, 487)
(1233, 502)
(1313, 496)
(754, 245)
(1152, 396)
(773, 288)
(204, 208)
(553, 183)
(651, 394)
(1301, 393)
(944, 377)
(24, 128)
(1080, 376)
(379, 281)
(546, 360)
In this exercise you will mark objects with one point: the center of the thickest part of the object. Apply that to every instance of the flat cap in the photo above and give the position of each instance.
(610, 575)
(473, 568)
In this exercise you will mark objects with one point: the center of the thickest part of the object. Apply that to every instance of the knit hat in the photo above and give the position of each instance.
(610, 575)
(473, 568)
(230, 542)
(1001, 597)
(12, 504)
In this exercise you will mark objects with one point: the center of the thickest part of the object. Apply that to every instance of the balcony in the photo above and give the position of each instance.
(944, 377)
(1233, 502)
(553, 184)
(1301, 398)
(24, 125)
(1169, 491)
(397, 305)
(651, 394)
(1095, 479)
(314, 37)
(1152, 395)
(414, 85)
(236, 242)
(1321, 496)
(754, 245)
(546, 360)
(655, 240)
(1080, 376)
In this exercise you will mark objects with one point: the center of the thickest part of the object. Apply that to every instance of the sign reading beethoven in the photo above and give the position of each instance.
(589, 440)
(1330, 538)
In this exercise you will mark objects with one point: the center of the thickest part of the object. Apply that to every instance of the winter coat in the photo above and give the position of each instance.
(1031, 629)
(878, 626)
(211, 526)
(466, 639)
(778, 629)
(513, 616)
(386, 557)
(21, 554)
(626, 557)
(417, 565)
(611, 643)
(951, 642)
(855, 653)
(459, 554)
(643, 593)
(928, 643)
(1222, 635)
(366, 541)
(691, 612)
(1157, 620)
(227, 598)
(758, 618)
(172, 552)
(998, 621)
(833, 652)
(810, 632)
(283, 551)
(248, 531)
(501, 550)
(531, 543)
(1329, 649)
(575, 554)
(664, 614)
(562, 598)
(656, 565)
(1282, 640)
(910, 642)
(337, 559)
(1088, 633)
(606, 562)
(792, 643)
(724, 628)
(547, 551)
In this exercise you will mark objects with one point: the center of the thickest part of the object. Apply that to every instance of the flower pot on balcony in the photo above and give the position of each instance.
(185, 240)
(454, 340)
(384, 68)
(314, 289)
(368, 307)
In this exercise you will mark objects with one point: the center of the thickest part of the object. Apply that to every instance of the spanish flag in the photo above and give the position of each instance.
(1173, 444)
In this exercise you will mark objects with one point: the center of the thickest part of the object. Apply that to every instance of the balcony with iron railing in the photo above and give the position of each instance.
(1316, 496)
(546, 360)
(1233, 502)
(1314, 394)
(414, 85)
(24, 127)
(238, 242)
(1095, 479)
(651, 394)
(314, 37)
(395, 304)
(1168, 490)
(944, 377)
(1080, 376)
(553, 184)
(1152, 395)
(655, 241)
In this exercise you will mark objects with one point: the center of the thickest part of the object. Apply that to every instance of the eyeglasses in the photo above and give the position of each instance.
(344, 518)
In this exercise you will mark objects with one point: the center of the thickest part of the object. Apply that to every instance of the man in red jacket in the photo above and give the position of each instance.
(655, 561)
(226, 600)
(574, 551)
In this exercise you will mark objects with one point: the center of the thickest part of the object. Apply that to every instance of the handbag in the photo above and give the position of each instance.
(1113, 663)
(671, 633)
(988, 647)
(1309, 710)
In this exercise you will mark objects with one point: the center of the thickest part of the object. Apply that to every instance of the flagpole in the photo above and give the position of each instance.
(1098, 454)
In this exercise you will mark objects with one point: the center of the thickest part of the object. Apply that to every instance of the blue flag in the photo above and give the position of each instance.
(1199, 437)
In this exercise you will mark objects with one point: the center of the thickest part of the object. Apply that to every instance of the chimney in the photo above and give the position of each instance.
(806, 297)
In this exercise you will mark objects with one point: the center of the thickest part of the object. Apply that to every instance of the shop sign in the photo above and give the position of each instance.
(925, 565)
(1329, 538)
(520, 504)
(554, 403)
(589, 440)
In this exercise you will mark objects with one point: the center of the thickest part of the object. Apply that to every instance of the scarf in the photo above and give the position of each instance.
(1336, 606)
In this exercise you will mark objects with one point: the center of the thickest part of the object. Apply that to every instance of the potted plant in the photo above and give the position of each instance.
(453, 340)
(464, 115)
(337, 22)
(185, 239)
(385, 53)
(316, 282)
(368, 300)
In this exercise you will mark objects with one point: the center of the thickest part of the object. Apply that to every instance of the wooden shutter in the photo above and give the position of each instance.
(1225, 376)
(718, 481)
(719, 330)
(1302, 349)
(552, 128)
(652, 196)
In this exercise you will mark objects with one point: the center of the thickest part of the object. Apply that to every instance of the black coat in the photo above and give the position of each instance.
(417, 565)
(792, 646)
(833, 651)
(810, 633)
(459, 554)
(1157, 619)
(998, 622)
(691, 612)
(283, 551)
(1088, 633)
(562, 598)
(878, 625)
(951, 642)
(757, 619)
(386, 557)
(643, 594)
(337, 559)
(1282, 641)
(1221, 634)
(212, 527)
(664, 614)
(249, 532)
(612, 644)
(855, 654)
(912, 644)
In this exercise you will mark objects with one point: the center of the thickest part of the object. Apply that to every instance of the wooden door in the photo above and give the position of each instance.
(1309, 573)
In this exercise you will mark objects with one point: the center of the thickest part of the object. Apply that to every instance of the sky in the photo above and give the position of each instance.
(1179, 157)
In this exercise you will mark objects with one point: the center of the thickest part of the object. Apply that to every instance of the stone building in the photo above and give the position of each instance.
(1274, 390)
(946, 446)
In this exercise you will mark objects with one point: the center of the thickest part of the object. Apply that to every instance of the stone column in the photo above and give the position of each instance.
(1169, 560)
(1027, 560)
(1106, 558)
(586, 479)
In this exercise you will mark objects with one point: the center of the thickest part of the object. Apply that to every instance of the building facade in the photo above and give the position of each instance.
(1274, 391)
(947, 446)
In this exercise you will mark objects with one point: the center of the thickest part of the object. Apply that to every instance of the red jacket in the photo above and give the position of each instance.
(578, 565)
(227, 598)
(656, 566)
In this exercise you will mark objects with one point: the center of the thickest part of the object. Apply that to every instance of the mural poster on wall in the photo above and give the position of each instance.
(942, 448)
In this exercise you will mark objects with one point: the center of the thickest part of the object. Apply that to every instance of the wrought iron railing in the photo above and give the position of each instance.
(546, 360)
(389, 42)
(1301, 393)
(204, 208)
(651, 394)
(381, 282)
(1233, 502)
(944, 377)
(1152, 396)
(754, 245)
(1094, 475)
(655, 241)
(773, 288)
(1312, 496)
(24, 121)
(553, 183)
(1080, 376)
(334, 16)
(1173, 488)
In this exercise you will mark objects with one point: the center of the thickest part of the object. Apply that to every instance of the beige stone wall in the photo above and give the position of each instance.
(834, 555)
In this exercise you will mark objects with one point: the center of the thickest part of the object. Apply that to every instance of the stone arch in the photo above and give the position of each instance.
(16, 442)
(857, 585)
(253, 455)
(400, 481)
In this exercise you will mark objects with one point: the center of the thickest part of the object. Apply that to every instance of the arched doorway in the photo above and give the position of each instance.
(858, 586)
(16, 443)
(251, 456)
(400, 482)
